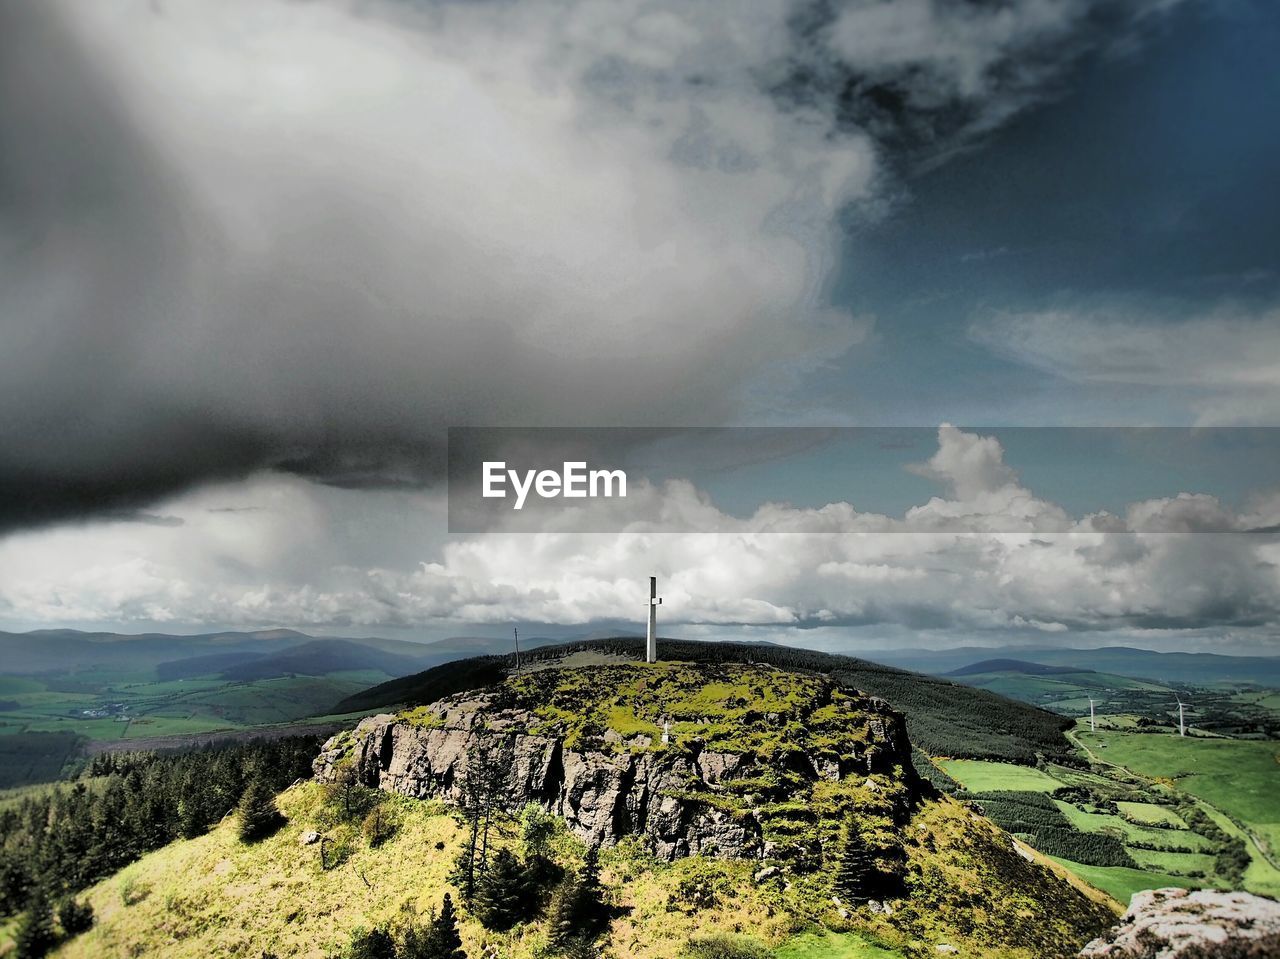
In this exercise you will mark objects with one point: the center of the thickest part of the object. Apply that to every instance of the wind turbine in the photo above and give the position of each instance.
(1093, 727)
(1182, 725)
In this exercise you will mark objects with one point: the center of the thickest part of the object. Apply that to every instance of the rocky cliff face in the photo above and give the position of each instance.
(686, 797)
(1177, 924)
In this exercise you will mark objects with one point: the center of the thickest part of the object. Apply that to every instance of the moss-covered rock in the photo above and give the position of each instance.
(731, 760)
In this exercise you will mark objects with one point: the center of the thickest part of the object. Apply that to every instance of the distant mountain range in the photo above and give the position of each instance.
(1013, 666)
(234, 656)
(1190, 668)
(265, 654)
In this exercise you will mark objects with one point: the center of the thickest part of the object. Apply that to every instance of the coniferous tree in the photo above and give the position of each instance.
(438, 940)
(70, 837)
(591, 891)
(258, 812)
(577, 907)
(444, 932)
(35, 935)
(503, 894)
(856, 875)
(372, 944)
(482, 788)
(15, 880)
(562, 913)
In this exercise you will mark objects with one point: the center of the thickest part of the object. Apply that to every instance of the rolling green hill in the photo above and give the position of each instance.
(64, 690)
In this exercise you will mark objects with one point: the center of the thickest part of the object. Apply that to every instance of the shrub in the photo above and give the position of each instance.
(537, 828)
(75, 917)
(700, 886)
(378, 826)
(133, 892)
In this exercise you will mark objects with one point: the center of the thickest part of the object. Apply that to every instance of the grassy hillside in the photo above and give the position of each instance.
(217, 896)
(943, 717)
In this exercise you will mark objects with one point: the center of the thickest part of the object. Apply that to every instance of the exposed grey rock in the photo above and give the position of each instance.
(1205, 924)
(768, 872)
(308, 838)
(605, 793)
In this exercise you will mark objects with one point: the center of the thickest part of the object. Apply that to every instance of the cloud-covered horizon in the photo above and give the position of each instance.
(283, 551)
(306, 237)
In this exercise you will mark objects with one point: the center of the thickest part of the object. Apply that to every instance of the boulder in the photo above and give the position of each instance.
(1204, 924)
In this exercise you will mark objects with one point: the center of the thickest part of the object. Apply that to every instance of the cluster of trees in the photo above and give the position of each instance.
(943, 717)
(436, 939)
(37, 934)
(55, 843)
(499, 886)
(504, 889)
(1035, 816)
(930, 773)
(1232, 858)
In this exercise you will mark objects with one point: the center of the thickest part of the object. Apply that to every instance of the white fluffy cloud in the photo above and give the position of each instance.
(988, 557)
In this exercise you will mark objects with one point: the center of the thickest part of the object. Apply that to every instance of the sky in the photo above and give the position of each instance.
(256, 257)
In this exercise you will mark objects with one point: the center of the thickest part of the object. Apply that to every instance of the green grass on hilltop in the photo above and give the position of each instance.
(943, 717)
(724, 707)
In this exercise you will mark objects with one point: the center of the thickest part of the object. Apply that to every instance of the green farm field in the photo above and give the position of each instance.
(138, 708)
(1163, 849)
(49, 721)
(1239, 777)
(1150, 813)
(1131, 832)
(980, 776)
(1121, 882)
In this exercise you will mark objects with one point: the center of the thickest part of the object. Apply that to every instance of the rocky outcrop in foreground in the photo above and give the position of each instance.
(686, 799)
(1178, 924)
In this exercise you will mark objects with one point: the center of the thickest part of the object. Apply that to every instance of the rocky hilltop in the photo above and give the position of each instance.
(1205, 924)
(737, 761)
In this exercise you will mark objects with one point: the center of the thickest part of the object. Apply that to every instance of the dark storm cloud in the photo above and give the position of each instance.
(244, 236)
